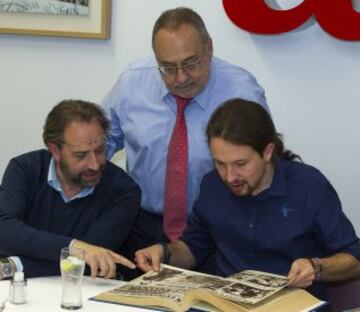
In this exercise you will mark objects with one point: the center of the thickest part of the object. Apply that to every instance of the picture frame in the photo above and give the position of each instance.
(95, 25)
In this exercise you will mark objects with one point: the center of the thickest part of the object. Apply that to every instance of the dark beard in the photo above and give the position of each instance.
(77, 179)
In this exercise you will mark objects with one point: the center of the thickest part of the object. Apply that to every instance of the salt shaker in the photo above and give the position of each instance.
(17, 294)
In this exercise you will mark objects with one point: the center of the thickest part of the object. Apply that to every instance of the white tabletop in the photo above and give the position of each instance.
(44, 295)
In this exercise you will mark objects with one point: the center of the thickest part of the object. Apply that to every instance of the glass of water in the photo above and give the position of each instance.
(72, 265)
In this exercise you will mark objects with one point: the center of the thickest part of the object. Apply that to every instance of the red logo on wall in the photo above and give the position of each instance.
(337, 17)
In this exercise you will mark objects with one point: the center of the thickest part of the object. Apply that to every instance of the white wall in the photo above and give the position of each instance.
(311, 81)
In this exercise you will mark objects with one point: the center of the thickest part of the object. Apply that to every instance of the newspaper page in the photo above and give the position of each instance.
(247, 287)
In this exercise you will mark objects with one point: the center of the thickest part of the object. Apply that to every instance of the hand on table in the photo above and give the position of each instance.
(102, 261)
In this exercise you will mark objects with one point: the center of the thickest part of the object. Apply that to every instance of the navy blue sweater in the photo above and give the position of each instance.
(35, 222)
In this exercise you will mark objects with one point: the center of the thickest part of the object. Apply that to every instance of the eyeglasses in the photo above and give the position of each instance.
(171, 71)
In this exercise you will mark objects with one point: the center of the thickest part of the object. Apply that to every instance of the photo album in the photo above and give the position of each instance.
(175, 289)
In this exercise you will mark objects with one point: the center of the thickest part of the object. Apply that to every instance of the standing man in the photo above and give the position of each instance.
(66, 195)
(262, 210)
(159, 109)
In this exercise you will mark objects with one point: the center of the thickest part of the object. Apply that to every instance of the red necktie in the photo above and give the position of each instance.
(175, 212)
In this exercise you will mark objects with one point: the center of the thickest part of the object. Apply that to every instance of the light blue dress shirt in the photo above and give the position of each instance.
(143, 112)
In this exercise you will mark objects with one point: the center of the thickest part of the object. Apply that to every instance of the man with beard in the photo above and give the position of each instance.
(159, 109)
(68, 195)
(260, 209)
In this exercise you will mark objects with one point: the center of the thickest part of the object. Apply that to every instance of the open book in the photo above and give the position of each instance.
(178, 290)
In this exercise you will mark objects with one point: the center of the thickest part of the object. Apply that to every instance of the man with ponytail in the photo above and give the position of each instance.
(262, 209)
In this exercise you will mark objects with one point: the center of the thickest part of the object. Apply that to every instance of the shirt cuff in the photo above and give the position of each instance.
(18, 264)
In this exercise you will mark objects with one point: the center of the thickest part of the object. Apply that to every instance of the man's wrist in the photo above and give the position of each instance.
(317, 266)
(166, 252)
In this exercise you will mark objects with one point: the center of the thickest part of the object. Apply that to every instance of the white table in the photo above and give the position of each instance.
(44, 295)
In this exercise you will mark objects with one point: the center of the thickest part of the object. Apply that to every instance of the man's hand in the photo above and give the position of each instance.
(102, 261)
(149, 258)
(301, 273)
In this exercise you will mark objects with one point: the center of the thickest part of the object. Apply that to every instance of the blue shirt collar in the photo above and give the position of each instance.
(278, 186)
(54, 183)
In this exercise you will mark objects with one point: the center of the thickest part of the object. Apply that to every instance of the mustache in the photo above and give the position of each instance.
(238, 182)
(184, 86)
(90, 172)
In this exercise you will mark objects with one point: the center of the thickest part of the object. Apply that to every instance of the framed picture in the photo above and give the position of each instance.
(65, 18)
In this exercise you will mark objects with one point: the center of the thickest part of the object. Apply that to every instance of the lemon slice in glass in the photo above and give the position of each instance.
(66, 265)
